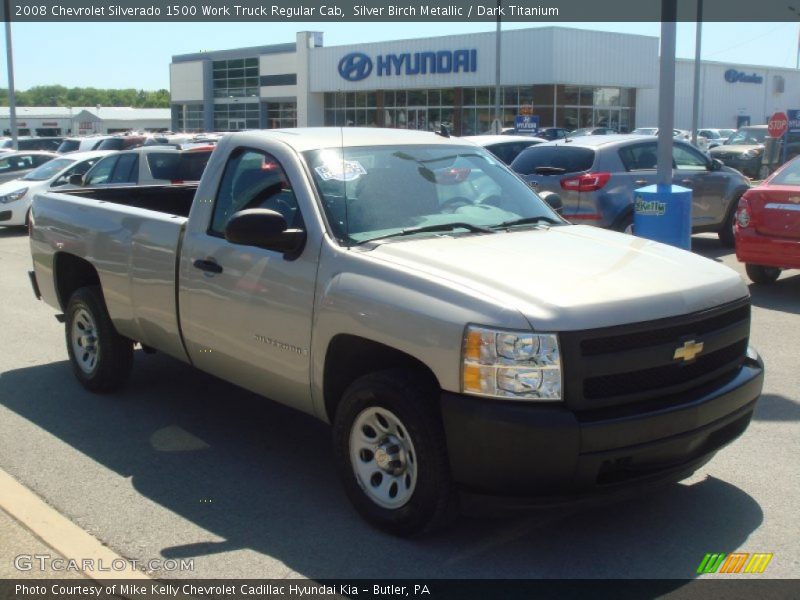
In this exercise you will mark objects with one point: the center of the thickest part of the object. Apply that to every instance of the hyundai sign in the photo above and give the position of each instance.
(357, 65)
(734, 76)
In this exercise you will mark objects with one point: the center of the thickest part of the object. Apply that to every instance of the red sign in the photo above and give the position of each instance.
(778, 124)
(50, 124)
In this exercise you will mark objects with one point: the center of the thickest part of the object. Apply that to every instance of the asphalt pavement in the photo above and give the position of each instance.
(183, 466)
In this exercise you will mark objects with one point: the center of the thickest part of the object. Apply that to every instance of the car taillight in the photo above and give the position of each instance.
(743, 213)
(587, 182)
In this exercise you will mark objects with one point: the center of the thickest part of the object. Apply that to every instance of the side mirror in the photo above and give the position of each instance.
(716, 164)
(266, 229)
(76, 179)
(554, 200)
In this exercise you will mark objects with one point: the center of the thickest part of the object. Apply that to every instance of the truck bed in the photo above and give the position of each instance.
(131, 236)
(170, 199)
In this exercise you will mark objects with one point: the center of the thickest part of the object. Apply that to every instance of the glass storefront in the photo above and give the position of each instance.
(281, 114)
(189, 118)
(236, 116)
(471, 111)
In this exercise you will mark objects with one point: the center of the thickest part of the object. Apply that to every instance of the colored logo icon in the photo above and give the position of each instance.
(355, 66)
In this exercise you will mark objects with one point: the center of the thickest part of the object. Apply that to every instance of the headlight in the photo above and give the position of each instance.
(748, 154)
(513, 365)
(14, 196)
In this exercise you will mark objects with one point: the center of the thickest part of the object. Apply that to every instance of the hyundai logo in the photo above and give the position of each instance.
(355, 66)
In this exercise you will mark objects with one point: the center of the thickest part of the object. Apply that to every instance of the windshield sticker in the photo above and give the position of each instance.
(347, 170)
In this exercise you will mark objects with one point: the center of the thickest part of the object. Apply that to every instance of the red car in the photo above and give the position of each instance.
(768, 225)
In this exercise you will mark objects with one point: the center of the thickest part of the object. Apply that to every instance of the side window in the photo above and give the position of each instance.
(253, 179)
(687, 159)
(639, 157)
(80, 169)
(126, 170)
(40, 160)
(505, 152)
(101, 171)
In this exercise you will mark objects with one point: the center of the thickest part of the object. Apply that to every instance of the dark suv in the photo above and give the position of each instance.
(744, 150)
(596, 176)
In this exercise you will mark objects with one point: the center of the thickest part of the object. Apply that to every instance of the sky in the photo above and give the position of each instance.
(137, 55)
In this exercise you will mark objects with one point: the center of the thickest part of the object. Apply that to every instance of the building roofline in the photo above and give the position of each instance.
(248, 52)
(733, 65)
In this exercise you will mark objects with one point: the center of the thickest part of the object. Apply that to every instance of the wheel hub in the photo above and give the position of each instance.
(390, 457)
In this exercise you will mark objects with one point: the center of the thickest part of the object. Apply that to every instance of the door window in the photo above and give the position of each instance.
(253, 179)
(101, 171)
(687, 159)
(639, 157)
(126, 170)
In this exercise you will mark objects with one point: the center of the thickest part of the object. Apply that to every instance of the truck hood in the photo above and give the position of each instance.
(735, 149)
(572, 277)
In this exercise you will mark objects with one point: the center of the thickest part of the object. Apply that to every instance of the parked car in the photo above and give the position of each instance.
(592, 131)
(553, 133)
(148, 165)
(680, 134)
(16, 195)
(744, 150)
(14, 165)
(81, 144)
(122, 142)
(596, 177)
(505, 147)
(46, 144)
(768, 225)
(715, 137)
(412, 291)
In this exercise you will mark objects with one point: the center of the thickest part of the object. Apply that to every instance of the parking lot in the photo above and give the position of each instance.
(182, 465)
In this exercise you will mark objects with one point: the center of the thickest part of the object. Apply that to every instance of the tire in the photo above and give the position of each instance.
(761, 274)
(624, 224)
(726, 234)
(387, 432)
(100, 357)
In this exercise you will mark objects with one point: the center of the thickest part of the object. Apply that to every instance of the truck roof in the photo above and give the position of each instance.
(313, 138)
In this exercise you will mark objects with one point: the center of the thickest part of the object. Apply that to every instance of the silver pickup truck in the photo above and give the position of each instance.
(408, 288)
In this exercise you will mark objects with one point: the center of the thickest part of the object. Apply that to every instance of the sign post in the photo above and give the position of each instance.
(777, 127)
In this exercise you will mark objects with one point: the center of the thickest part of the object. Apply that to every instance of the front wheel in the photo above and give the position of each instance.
(761, 274)
(391, 455)
(727, 234)
(101, 358)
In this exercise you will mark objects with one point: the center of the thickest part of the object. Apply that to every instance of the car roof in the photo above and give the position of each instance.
(483, 140)
(87, 154)
(596, 141)
(314, 138)
(29, 152)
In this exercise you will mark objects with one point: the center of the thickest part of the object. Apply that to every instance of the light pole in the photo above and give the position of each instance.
(497, 117)
(697, 40)
(12, 97)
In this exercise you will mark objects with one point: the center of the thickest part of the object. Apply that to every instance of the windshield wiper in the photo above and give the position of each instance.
(549, 170)
(427, 228)
(526, 221)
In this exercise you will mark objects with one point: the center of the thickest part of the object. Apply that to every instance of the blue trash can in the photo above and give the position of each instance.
(663, 213)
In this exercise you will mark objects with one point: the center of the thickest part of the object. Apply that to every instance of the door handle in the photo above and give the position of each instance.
(208, 266)
(686, 181)
(640, 181)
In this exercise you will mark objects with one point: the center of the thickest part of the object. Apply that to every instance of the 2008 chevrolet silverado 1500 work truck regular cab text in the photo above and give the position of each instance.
(412, 291)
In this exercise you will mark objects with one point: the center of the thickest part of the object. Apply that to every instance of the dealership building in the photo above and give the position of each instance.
(565, 77)
(83, 120)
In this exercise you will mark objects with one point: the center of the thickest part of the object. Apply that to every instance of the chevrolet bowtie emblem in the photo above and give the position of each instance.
(688, 351)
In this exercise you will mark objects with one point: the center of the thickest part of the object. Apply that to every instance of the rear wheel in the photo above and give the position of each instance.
(624, 224)
(391, 455)
(761, 274)
(101, 358)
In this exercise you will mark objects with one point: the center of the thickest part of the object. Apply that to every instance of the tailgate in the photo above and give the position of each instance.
(776, 211)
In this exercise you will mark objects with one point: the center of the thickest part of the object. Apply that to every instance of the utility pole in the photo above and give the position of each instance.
(497, 117)
(666, 92)
(697, 40)
(12, 97)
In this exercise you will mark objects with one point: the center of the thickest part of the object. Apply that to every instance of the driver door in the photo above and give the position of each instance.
(246, 312)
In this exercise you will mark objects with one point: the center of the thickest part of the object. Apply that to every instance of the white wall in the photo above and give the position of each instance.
(720, 101)
(186, 81)
(529, 56)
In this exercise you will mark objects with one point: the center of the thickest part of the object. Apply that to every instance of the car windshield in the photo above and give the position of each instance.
(748, 137)
(178, 166)
(49, 169)
(68, 146)
(374, 191)
(789, 175)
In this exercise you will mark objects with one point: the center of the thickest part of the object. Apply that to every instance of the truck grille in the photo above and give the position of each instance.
(635, 363)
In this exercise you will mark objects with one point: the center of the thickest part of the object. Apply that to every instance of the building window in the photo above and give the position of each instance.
(585, 106)
(236, 78)
(414, 109)
(236, 116)
(189, 117)
(281, 114)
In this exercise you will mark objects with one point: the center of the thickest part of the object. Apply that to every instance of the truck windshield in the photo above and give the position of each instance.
(374, 191)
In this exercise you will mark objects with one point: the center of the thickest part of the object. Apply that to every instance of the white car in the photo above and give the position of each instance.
(81, 144)
(16, 195)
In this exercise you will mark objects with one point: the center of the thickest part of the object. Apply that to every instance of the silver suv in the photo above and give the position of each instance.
(597, 175)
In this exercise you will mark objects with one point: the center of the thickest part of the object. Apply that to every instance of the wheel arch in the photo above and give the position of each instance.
(349, 357)
(70, 273)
